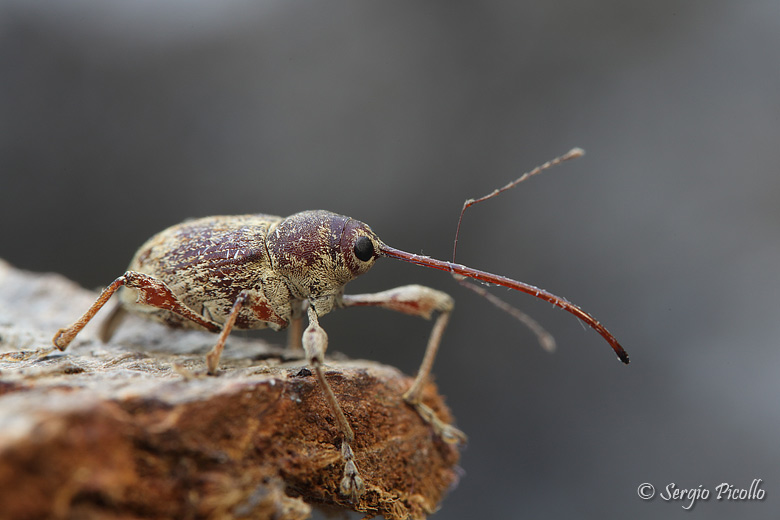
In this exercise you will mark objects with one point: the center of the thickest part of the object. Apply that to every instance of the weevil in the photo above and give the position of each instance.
(257, 271)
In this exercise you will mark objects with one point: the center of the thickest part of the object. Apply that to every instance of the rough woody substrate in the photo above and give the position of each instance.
(132, 429)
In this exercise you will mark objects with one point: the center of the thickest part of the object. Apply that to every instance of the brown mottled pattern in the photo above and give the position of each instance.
(207, 262)
(300, 237)
(311, 251)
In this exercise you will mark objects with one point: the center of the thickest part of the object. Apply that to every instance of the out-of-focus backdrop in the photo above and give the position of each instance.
(118, 119)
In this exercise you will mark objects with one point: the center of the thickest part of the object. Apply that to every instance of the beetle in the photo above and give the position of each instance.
(256, 271)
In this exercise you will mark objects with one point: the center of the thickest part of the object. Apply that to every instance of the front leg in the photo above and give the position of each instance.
(422, 301)
(315, 342)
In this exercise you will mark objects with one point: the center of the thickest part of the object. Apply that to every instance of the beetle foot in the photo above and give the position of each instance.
(352, 484)
(63, 338)
(446, 432)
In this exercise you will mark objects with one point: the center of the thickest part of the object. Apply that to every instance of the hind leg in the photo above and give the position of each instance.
(152, 292)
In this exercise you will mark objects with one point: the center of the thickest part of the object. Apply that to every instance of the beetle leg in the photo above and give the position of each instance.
(296, 328)
(294, 335)
(212, 358)
(151, 292)
(315, 342)
(422, 301)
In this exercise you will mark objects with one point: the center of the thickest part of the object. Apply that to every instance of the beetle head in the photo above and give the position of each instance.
(318, 252)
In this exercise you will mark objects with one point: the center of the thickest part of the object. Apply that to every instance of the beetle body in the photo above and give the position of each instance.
(280, 262)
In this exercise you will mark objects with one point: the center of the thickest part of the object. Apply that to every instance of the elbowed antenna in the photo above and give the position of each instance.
(483, 276)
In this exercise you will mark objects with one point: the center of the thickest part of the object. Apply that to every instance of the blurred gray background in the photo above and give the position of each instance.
(118, 119)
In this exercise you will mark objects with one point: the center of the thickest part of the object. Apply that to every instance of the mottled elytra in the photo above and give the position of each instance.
(258, 271)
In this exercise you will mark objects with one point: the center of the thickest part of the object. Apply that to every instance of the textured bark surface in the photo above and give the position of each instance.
(132, 429)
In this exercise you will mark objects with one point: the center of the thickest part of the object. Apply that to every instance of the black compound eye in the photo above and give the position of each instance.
(364, 248)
